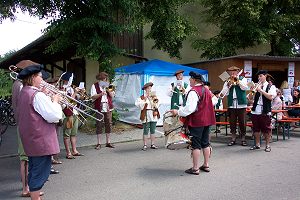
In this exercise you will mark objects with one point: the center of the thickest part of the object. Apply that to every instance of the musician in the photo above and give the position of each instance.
(178, 90)
(103, 103)
(218, 104)
(36, 117)
(70, 122)
(199, 113)
(237, 103)
(261, 110)
(149, 114)
(16, 88)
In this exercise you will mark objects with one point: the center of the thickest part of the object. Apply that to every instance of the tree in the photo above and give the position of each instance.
(247, 23)
(88, 26)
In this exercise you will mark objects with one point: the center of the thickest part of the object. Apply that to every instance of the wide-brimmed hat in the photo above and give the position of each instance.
(32, 69)
(233, 68)
(25, 63)
(101, 76)
(178, 72)
(147, 85)
(197, 76)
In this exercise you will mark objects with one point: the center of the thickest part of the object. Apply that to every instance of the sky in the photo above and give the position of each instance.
(19, 33)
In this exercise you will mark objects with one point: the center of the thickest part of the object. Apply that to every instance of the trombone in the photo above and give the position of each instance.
(66, 99)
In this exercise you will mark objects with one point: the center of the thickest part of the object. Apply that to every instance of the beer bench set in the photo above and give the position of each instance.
(284, 123)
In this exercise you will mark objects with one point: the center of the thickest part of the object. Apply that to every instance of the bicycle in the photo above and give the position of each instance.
(3, 119)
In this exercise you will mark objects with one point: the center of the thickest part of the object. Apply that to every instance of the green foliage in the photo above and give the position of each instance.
(5, 84)
(88, 26)
(115, 116)
(247, 23)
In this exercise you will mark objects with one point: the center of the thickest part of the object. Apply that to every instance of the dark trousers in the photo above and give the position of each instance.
(237, 115)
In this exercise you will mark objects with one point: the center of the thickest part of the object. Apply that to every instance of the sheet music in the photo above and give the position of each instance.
(224, 76)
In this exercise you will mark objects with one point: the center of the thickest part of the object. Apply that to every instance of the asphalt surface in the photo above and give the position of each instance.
(126, 172)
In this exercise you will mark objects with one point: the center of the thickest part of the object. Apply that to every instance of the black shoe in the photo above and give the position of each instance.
(53, 171)
(255, 147)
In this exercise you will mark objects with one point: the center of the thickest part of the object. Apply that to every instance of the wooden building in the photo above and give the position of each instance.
(280, 67)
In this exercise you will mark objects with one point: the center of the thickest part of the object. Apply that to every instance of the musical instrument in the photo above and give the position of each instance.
(175, 137)
(82, 93)
(66, 99)
(111, 88)
(253, 88)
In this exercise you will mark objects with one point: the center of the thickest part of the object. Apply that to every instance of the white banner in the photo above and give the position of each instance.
(248, 68)
(291, 71)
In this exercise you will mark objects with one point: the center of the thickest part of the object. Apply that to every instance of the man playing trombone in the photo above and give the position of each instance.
(235, 88)
(70, 124)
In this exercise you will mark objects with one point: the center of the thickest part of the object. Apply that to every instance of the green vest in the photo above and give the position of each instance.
(175, 97)
(241, 95)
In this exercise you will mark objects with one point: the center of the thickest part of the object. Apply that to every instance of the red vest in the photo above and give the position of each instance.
(204, 114)
(97, 102)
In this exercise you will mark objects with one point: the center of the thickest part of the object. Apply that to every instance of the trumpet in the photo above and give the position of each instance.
(232, 81)
(111, 88)
(254, 87)
(66, 99)
(82, 93)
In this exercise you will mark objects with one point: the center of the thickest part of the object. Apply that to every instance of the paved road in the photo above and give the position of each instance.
(126, 172)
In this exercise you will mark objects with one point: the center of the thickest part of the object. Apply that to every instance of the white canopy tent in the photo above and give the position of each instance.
(130, 79)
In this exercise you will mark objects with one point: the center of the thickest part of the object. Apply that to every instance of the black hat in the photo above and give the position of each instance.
(66, 76)
(33, 69)
(264, 72)
(207, 83)
(195, 75)
(147, 85)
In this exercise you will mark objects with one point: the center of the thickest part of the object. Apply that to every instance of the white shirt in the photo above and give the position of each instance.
(141, 103)
(243, 85)
(104, 99)
(50, 111)
(70, 91)
(171, 91)
(259, 107)
(190, 105)
(215, 100)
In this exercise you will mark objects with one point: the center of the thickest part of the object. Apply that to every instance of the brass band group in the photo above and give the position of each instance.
(42, 108)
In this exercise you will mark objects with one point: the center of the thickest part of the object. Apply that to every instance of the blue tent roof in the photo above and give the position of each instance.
(158, 68)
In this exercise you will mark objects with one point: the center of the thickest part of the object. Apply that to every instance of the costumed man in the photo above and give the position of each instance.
(235, 87)
(70, 122)
(261, 110)
(199, 116)
(148, 103)
(37, 115)
(16, 88)
(178, 90)
(103, 100)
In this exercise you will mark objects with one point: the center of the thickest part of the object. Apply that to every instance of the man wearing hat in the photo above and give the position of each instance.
(199, 114)
(149, 115)
(70, 122)
(178, 90)
(37, 115)
(261, 110)
(236, 87)
(16, 88)
(103, 103)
